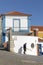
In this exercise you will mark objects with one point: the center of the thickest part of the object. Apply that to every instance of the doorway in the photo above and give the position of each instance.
(39, 49)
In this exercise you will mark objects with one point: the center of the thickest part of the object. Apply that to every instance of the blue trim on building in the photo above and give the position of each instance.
(40, 49)
(13, 23)
(29, 23)
(24, 31)
(13, 26)
(3, 29)
(3, 23)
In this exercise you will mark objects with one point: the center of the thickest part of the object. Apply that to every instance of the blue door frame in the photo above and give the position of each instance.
(40, 49)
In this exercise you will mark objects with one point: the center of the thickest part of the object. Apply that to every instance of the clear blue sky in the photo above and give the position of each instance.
(34, 7)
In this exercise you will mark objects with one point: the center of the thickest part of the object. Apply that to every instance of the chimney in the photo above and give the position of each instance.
(35, 31)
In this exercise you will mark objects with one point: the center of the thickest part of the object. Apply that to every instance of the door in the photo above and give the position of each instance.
(16, 24)
(39, 49)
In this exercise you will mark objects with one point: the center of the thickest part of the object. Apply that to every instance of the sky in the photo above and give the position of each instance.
(34, 7)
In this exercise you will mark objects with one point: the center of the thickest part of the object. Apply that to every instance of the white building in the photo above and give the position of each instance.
(31, 44)
(19, 22)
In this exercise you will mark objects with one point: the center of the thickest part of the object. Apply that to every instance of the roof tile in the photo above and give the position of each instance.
(40, 28)
(17, 14)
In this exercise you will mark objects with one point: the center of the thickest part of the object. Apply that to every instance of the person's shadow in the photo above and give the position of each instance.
(20, 50)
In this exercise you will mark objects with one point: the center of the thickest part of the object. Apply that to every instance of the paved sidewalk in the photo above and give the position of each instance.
(9, 58)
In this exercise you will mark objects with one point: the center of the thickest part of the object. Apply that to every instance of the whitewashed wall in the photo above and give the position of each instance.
(19, 42)
(23, 21)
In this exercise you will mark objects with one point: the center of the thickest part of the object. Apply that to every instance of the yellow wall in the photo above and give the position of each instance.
(40, 34)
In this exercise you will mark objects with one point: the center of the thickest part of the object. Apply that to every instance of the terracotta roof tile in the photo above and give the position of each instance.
(40, 28)
(17, 14)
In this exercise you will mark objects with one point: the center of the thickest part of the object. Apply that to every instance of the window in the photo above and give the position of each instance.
(16, 24)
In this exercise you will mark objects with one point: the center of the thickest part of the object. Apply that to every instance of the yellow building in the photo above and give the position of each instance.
(39, 30)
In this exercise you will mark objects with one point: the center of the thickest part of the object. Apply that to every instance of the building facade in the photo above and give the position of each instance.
(19, 22)
(40, 30)
(20, 27)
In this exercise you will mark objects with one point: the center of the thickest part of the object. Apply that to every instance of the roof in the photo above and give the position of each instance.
(40, 28)
(16, 14)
